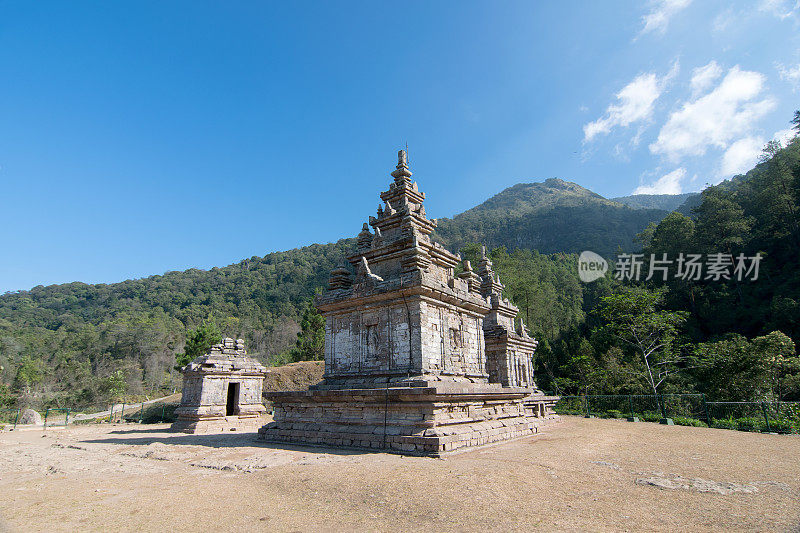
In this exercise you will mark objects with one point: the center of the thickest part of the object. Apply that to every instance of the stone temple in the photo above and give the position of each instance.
(221, 391)
(418, 359)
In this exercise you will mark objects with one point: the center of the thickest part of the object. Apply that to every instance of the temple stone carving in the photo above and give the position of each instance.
(418, 359)
(221, 391)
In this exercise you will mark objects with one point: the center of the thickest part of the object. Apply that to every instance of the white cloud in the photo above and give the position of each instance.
(635, 103)
(723, 21)
(660, 14)
(790, 74)
(729, 111)
(784, 136)
(741, 156)
(703, 77)
(666, 184)
(782, 9)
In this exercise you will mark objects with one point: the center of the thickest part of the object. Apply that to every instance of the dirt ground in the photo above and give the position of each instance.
(581, 474)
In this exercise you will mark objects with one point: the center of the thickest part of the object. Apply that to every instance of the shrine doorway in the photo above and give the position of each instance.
(232, 405)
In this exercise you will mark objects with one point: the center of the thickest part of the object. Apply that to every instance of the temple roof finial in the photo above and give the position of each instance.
(402, 171)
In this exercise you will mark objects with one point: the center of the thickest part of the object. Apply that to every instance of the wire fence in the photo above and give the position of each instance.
(56, 416)
(140, 412)
(145, 413)
(9, 416)
(53, 417)
(773, 417)
(687, 409)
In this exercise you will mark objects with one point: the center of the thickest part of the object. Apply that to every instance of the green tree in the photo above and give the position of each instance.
(633, 317)
(645, 238)
(29, 373)
(673, 235)
(7, 399)
(115, 385)
(721, 223)
(782, 364)
(198, 342)
(310, 345)
(737, 369)
(584, 367)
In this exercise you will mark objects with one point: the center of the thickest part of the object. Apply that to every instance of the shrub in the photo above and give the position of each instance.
(651, 417)
(749, 423)
(722, 423)
(685, 421)
(780, 426)
(613, 413)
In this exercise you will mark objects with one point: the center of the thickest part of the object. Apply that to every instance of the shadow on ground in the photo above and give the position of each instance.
(218, 440)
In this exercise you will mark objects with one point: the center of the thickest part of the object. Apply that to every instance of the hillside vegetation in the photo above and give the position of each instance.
(79, 344)
(666, 202)
(82, 345)
(731, 337)
(550, 217)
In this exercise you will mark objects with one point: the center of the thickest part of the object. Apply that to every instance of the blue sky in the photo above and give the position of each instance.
(137, 138)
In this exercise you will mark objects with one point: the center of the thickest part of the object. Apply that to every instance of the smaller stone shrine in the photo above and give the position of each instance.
(221, 391)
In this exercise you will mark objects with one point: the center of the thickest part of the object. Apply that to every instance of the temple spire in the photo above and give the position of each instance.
(402, 173)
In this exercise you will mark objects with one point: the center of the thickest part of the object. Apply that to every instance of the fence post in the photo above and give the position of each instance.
(66, 421)
(586, 404)
(705, 408)
(44, 426)
(766, 417)
(162, 412)
(122, 414)
(16, 418)
(141, 413)
(630, 404)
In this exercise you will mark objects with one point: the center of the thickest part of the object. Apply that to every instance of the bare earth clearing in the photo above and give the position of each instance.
(578, 475)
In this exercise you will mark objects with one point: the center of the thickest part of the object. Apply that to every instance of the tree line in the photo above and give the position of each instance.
(81, 345)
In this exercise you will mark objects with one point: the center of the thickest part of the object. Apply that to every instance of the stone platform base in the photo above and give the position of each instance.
(217, 424)
(432, 420)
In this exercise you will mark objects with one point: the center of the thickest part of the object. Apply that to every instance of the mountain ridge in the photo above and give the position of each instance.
(667, 202)
(551, 216)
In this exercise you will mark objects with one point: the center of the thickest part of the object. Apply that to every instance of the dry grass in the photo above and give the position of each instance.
(581, 474)
(294, 376)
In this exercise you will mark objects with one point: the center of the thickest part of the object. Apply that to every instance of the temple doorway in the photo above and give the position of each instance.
(231, 406)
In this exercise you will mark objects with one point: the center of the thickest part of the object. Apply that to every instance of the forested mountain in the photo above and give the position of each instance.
(552, 216)
(665, 202)
(730, 332)
(68, 342)
(79, 345)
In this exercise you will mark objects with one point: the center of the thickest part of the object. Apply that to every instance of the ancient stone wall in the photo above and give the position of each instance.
(452, 341)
